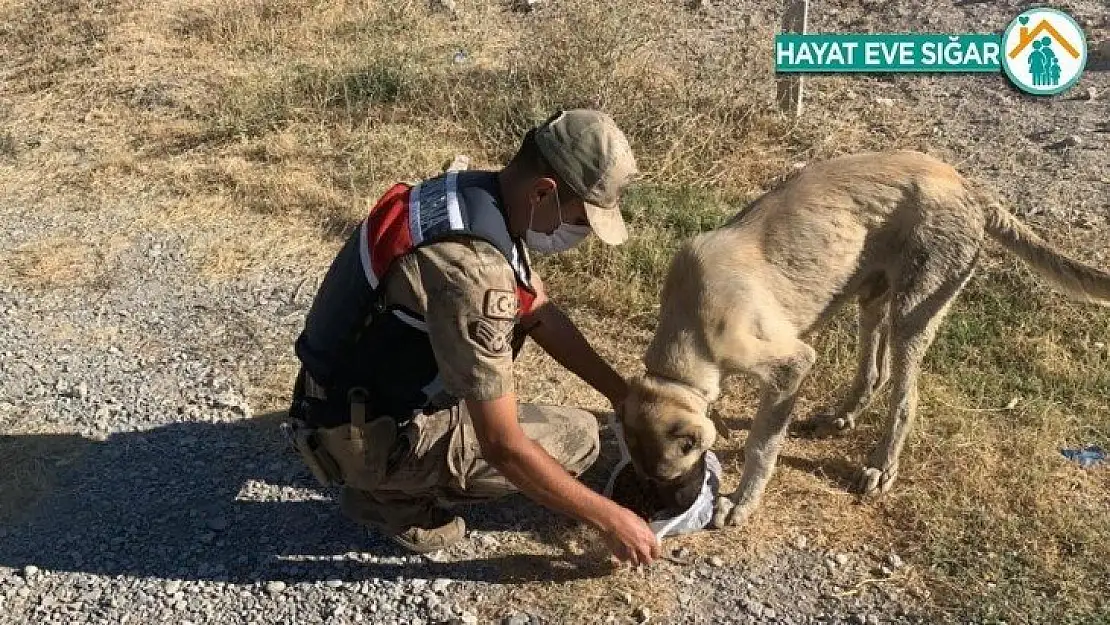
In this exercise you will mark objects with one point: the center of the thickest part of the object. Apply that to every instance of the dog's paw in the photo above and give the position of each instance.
(727, 513)
(721, 509)
(872, 481)
(826, 424)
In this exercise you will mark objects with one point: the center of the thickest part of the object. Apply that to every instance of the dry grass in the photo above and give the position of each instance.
(997, 515)
(59, 262)
(993, 522)
(258, 130)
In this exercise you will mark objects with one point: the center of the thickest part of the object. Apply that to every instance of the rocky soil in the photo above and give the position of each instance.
(155, 495)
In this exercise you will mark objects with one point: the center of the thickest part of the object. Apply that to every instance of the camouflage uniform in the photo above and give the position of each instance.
(447, 283)
(422, 309)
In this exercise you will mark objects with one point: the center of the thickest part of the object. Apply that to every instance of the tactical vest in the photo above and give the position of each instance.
(351, 338)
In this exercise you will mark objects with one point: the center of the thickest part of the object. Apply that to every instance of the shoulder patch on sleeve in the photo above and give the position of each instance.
(487, 334)
(500, 304)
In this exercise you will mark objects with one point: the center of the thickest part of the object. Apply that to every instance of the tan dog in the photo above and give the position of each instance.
(900, 232)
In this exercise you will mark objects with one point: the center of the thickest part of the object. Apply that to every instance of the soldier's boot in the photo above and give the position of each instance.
(419, 525)
(439, 532)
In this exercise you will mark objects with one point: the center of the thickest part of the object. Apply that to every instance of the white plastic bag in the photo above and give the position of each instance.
(694, 518)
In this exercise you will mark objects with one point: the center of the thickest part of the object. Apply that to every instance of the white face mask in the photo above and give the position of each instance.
(564, 237)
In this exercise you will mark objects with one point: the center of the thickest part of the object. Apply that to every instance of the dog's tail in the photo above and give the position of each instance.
(1079, 281)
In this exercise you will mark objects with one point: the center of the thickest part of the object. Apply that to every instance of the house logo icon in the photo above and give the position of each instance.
(1044, 51)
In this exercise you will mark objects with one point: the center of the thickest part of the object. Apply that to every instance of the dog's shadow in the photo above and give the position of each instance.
(837, 470)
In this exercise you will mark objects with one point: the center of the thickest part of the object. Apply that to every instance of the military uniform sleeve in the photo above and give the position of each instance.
(471, 295)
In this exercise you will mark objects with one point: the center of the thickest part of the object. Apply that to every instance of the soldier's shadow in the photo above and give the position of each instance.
(196, 501)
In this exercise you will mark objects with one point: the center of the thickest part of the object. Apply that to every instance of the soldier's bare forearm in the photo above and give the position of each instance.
(559, 337)
(541, 478)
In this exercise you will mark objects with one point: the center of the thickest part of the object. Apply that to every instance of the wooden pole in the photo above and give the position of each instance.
(789, 96)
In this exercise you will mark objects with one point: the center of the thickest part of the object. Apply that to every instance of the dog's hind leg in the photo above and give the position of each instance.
(781, 370)
(873, 371)
(916, 315)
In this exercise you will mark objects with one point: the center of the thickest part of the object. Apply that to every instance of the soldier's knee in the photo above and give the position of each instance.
(584, 442)
(570, 435)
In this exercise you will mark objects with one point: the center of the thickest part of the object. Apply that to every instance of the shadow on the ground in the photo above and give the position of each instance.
(187, 501)
(837, 470)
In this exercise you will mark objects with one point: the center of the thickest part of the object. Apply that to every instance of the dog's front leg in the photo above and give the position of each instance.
(781, 381)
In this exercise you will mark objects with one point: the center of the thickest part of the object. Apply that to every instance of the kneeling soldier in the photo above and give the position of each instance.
(405, 395)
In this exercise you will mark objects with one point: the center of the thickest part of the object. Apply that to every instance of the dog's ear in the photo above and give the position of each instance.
(636, 386)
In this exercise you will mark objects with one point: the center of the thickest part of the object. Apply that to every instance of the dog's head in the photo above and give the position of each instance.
(667, 431)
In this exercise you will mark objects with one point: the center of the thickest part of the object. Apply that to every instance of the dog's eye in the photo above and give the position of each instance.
(687, 446)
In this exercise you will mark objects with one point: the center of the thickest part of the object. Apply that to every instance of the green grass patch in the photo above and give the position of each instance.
(625, 280)
(1006, 528)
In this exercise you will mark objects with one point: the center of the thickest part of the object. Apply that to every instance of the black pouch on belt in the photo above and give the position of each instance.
(369, 442)
(357, 454)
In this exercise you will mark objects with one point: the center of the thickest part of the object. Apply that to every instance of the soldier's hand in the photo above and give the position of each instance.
(629, 537)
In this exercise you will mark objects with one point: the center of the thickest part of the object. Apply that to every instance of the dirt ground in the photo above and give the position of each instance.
(147, 250)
